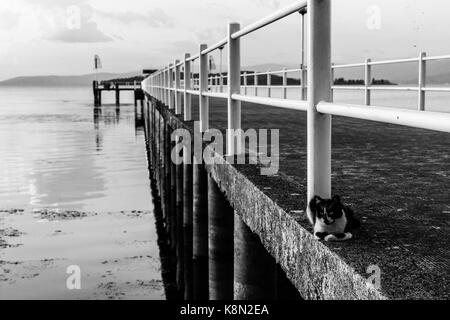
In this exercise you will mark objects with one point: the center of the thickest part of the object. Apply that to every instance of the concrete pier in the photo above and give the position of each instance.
(276, 225)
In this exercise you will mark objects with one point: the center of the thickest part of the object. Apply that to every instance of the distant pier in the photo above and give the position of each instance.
(117, 88)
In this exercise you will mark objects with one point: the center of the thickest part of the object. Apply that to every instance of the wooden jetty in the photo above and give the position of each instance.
(117, 87)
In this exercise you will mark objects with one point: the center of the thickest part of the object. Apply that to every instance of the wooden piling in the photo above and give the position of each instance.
(117, 94)
(173, 191)
(95, 92)
(99, 98)
(221, 244)
(255, 272)
(286, 291)
(188, 232)
(180, 228)
(200, 233)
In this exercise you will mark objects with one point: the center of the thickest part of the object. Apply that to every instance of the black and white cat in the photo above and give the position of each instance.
(332, 220)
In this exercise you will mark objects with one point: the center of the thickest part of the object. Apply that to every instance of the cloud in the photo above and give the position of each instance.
(8, 19)
(211, 35)
(88, 33)
(272, 4)
(72, 24)
(56, 3)
(155, 18)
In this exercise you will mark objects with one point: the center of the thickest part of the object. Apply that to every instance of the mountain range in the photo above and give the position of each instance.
(438, 73)
(64, 81)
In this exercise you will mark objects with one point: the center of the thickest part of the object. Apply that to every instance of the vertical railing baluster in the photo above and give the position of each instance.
(187, 86)
(422, 80)
(319, 89)
(245, 83)
(256, 84)
(166, 86)
(171, 87)
(302, 63)
(234, 87)
(284, 83)
(204, 101)
(332, 83)
(269, 84)
(178, 108)
(367, 81)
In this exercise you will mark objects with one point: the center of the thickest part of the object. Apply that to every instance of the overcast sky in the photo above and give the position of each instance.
(39, 37)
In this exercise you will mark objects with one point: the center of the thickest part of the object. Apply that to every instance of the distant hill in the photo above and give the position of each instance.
(437, 73)
(64, 81)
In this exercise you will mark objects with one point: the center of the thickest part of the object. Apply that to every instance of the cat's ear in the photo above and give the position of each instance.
(336, 199)
(314, 203)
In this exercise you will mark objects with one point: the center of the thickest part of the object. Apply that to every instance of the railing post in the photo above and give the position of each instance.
(269, 84)
(284, 83)
(302, 64)
(178, 109)
(319, 89)
(163, 84)
(170, 87)
(204, 101)
(256, 84)
(234, 86)
(165, 93)
(166, 84)
(332, 83)
(187, 86)
(245, 83)
(160, 82)
(422, 80)
(368, 81)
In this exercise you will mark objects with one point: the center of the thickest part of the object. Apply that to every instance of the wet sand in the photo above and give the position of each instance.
(114, 251)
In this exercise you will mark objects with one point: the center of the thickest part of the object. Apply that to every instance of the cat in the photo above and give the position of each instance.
(332, 221)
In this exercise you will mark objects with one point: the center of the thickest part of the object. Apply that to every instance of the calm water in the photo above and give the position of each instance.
(58, 153)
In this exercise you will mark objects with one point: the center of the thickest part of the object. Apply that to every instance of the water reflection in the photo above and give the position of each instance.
(72, 155)
(139, 121)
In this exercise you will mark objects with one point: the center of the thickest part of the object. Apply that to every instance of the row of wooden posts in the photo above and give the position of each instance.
(98, 89)
(217, 255)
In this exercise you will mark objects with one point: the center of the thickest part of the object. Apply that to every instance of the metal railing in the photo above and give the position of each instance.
(166, 86)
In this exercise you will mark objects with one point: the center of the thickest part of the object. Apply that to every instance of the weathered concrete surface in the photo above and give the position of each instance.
(395, 178)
